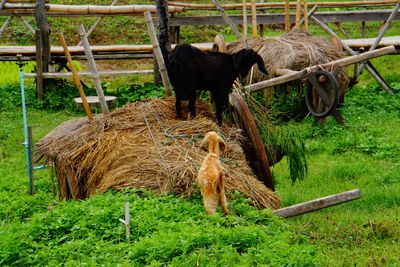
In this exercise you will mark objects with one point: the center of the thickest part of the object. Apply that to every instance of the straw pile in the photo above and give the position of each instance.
(296, 50)
(143, 145)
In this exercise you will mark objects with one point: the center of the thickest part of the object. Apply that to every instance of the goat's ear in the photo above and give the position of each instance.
(261, 65)
(222, 145)
(205, 141)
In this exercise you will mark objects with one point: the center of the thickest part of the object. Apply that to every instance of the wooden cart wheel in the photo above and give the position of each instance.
(322, 93)
(219, 44)
(243, 117)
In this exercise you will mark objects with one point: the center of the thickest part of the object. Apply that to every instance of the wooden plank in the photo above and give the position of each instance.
(337, 63)
(279, 18)
(89, 74)
(318, 204)
(93, 67)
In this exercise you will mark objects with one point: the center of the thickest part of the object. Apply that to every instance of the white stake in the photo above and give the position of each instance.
(126, 221)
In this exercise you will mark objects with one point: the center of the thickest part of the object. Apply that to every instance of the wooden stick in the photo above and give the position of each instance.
(126, 222)
(253, 19)
(2, 4)
(318, 204)
(381, 34)
(39, 67)
(287, 15)
(5, 25)
(158, 54)
(76, 77)
(244, 20)
(342, 30)
(305, 12)
(31, 180)
(92, 9)
(27, 25)
(312, 11)
(298, 14)
(351, 52)
(227, 19)
(106, 73)
(98, 21)
(93, 67)
(337, 63)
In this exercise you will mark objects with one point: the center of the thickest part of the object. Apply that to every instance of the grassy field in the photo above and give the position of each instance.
(365, 154)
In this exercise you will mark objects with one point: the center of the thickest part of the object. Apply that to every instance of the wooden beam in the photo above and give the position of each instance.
(158, 54)
(27, 25)
(106, 73)
(227, 19)
(93, 67)
(337, 63)
(5, 25)
(318, 204)
(2, 3)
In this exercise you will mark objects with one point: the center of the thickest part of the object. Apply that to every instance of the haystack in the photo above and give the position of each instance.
(296, 50)
(143, 145)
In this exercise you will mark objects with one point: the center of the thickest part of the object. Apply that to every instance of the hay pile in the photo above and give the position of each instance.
(143, 145)
(295, 51)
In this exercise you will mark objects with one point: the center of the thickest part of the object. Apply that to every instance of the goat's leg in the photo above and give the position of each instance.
(211, 202)
(219, 107)
(222, 198)
(178, 107)
(192, 105)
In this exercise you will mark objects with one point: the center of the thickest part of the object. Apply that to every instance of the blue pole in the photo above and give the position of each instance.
(26, 143)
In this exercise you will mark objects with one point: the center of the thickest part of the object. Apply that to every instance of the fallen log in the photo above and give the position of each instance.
(318, 204)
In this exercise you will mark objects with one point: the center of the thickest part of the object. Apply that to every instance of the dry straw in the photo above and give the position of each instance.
(143, 145)
(296, 50)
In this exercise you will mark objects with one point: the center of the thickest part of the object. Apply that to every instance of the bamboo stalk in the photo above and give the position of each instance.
(337, 63)
(92, 9)
(340, 28)
(312, 11)
(298, 14)
(305, 12)
(93, 67)
(287, 15)
(244, 20)
(253, 19)
(76, 77)
(88, 73)
(158, 54)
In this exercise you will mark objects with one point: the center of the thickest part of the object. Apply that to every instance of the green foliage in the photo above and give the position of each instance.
(136, 92)
(10, 71)
(164, 230)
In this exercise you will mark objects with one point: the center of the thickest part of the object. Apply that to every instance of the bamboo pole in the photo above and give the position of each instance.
(98, 21)
(312, 11)
(227, 19)
(244, 20)
(93, 67)
(305, 12)
(337, 63)
(298, 14)
(158, 54)
(287, 15)
(92, 9)
(381, 34)
(27, 25)
(374, 74)
(253, 19)
(76, 77)
(318, 204)
(340, 28)
(5, 25)
(107, 73)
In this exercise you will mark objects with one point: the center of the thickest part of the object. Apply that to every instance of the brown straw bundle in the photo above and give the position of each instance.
(296, 50)
(143, 145)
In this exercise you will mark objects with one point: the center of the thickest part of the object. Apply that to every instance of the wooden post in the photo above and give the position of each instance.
(298, 14)
(318, 204)
(305, 12)
(76, 77)
(227, 19)
(39, 66)
(287, 15)
(157, 53)
(374, 74)
(126, 222)
(381, 34)
(253, 19)
(93, 67)
(163, 29)
(5, 25)
(244, 20)
(40, 14)
(30, 161)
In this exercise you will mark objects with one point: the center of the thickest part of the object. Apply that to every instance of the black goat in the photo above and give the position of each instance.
(191, 69)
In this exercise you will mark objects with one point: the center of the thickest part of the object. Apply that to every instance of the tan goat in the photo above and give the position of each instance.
(211, 176)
